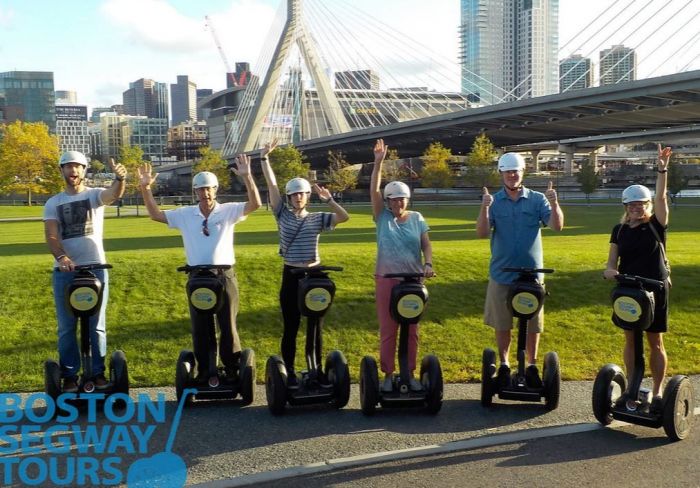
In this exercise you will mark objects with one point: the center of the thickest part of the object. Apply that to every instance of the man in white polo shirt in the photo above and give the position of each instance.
(207, 233)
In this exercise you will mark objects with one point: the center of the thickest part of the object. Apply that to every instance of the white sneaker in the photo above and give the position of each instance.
(388, 384)
(415, 385)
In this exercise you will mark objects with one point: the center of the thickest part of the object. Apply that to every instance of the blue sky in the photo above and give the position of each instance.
(97, 47)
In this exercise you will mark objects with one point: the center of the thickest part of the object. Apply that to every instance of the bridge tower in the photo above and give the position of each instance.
(294, 31)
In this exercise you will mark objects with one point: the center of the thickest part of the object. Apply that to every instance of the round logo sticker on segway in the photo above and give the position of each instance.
(203, 299)
(317, 299)
(525, 303)
(627, 309)
(410, 306)
(83, 298)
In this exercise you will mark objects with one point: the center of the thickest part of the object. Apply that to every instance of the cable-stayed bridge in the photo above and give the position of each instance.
(292, 98)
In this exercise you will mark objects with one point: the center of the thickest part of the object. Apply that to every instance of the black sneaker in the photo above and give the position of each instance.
(323, 381)
(70, 385)
(231, 375)
(292, 380)
(532, 377)
(503, 377)
(657, 406)
(101, 382)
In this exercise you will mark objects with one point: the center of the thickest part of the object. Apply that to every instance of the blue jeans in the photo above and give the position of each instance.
(68, 349)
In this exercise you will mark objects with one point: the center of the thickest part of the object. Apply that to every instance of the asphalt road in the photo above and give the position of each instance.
(224, 444)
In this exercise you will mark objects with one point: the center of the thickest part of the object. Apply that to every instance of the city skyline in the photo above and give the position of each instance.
(124, 46)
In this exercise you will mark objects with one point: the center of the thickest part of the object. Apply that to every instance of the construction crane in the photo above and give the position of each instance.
(209, 25)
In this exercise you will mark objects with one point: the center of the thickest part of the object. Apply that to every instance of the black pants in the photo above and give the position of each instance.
(289, 296)
(229, 344)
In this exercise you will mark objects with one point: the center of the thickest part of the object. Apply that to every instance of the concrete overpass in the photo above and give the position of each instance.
(653, 109)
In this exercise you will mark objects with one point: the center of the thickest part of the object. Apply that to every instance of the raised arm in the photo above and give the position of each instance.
(115, 191)
(242, 169)
(660, 201)
(556, 218)
(483, 226)
(375, 193)
(272, 188)
(146, 179)
(340, 215)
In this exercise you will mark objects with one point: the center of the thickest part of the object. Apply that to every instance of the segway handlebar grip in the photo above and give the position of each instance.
(187, 268)
(91, 267)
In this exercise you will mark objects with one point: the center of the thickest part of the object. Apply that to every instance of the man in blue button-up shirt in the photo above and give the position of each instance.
(513, 217)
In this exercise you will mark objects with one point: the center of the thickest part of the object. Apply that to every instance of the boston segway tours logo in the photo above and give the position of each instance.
(524, 302)
(410, 306)
(53, 441)
(627, 309)
(203, 298)
(317, 299)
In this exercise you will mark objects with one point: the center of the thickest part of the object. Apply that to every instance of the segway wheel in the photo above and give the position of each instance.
(369, 385)
(678, 408)
(552, 380)
(119, 374)
(607, 387)
(488, 371)
(276, 385)
(431, 377)
(338, 374)
(184, 372)
(247, 376)
(52, 378)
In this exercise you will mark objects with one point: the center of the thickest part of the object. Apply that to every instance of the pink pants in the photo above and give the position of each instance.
(388, 328)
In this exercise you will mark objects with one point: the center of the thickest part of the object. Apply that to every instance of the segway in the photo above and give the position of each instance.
(633, 309)
(328, 385)
(205, 292)
(408, 302)
(84, 298)
(525, 299)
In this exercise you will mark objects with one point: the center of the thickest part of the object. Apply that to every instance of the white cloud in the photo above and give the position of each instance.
(156, 25)
(6, 17)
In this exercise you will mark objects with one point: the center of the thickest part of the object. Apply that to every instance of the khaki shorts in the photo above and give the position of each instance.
(497, 313)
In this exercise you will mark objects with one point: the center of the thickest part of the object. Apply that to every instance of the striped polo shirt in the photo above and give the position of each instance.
(299, 235)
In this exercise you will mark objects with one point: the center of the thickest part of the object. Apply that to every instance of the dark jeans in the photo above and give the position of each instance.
(229, 344)
(289, 296)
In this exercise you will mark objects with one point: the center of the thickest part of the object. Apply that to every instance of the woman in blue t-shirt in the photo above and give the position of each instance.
(637, 247)
(402, 241)
(299, 232)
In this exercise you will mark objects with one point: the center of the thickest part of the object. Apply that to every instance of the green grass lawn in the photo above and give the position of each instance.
(147, 312)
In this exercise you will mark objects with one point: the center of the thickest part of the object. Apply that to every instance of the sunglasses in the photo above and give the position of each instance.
(205, 229)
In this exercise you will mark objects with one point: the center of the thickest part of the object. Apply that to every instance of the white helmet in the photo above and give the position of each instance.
(205, 179)
(297, 185)
(73, 157)
(397, 189)
(636, 193)
(511, 162)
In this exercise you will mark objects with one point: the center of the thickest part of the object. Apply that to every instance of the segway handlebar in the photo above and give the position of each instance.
(640, 280)
(92, 267)
(316, 269)
(404, 275)
(187, 268)
(527, 270)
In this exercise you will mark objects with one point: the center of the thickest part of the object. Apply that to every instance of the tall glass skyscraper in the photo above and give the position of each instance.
(509, 49)
(28, 96)
(147, 97)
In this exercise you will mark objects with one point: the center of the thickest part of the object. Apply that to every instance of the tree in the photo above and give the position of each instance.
(588, 179)
(288, 162)
(131, 157)
(481, 172)
(436, 172)
(97, 166)
(211, 160)
(29, 159)
(340, 175)
(394, 169)
(677, 181)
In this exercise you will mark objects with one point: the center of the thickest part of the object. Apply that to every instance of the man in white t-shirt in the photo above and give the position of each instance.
(207, 233)
(73, 224)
